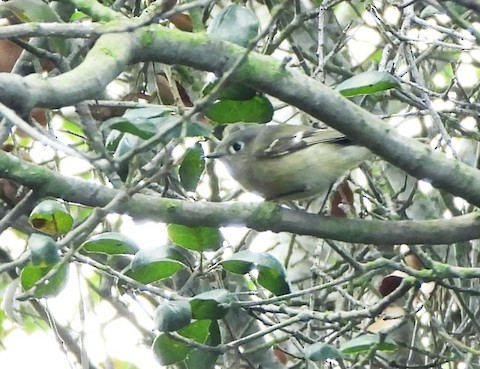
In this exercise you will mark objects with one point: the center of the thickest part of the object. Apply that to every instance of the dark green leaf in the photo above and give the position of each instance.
(256, 110)
(211, 304)
(155, 264)
(365, 342)
(172, 316)
(321, 351)
(195, 238)
(142, 127)
(271, 273)
(110, 243)
(235, 23)
(144, 114)
(273, 280)
(113, 140)
(51, 217)
(232, 91)
(194, 129)
(148, 122)
(368, 83)
(143, 122)
(192, 167)
(126, 143)
(202, 358)
(43, 250)
(168, 351)
(144, 130)
(31, 274)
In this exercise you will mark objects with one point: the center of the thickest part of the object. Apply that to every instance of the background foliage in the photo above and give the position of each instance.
(102, 127)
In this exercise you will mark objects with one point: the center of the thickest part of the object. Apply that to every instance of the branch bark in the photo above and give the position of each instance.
(261, 217)
(113, 52)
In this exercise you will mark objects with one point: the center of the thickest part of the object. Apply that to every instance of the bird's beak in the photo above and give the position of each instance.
(213, 155)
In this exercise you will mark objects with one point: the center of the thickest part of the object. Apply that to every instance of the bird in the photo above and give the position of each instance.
(287, 162)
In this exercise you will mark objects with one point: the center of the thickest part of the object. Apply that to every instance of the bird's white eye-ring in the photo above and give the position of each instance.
(236, 147)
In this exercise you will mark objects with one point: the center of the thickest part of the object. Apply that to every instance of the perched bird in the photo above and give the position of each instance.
(286, 162)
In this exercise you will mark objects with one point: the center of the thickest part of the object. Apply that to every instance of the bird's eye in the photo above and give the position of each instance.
(236, 147)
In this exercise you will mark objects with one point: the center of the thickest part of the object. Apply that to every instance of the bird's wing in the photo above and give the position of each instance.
(303, 138)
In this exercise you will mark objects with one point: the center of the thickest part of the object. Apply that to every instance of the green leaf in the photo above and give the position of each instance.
(152, 265)
(144, 122)
(51, 217)
(211, 304)
(78, 16)
(43, 250)
(172, 316)
(142, 126)
(271, 273)
(429, 11)
(192, 167)
(232, 91)
(148, 122)
(125, 142)
(368, 83)
(144, 130)
(110, 243)
(321, 351)
(256, 110)
(235, 23)
(31, 274)
(72, 126)
(29, 11)
(365, 342)
(144, 114)
(113, 140)
(195, 238)
(35, 11)
(204, 359)
(169, 351)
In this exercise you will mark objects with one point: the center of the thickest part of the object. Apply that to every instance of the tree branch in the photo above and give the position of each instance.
(113, 52)
(261, 217)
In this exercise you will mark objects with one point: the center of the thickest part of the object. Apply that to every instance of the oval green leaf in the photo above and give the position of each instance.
(51, 217)
(211, 304)
(143, 122)
(233, 91)
(256, 110)
(30, 11)
(152, 265)
(31, 274)
(235, 23)
(271, 273)
(204, 359)
(365, 343)
(172, 316)
(368, 83)
(113, 140)
(195, 238)
(148, 122)
(321, 351)
(43, 250)
(168, 351)
(110, 243)
(192, 167)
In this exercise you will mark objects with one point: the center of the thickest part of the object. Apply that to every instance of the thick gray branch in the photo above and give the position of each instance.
(113, 52)
(261, 217)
